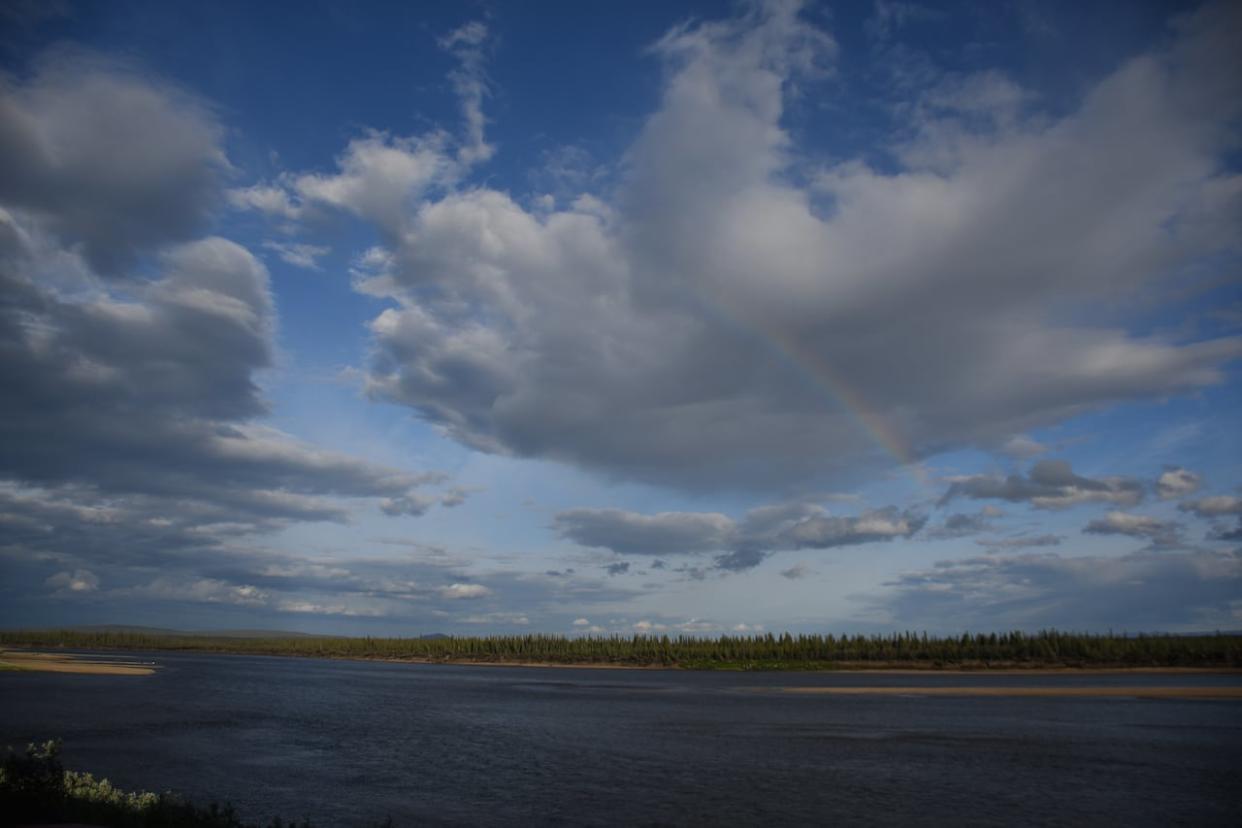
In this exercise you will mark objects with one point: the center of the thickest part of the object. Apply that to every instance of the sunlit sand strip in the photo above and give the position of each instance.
(64, 663)
(1064, 692)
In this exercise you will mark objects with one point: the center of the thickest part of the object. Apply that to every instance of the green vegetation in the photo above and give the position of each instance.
(35, 788)
(1050, 649)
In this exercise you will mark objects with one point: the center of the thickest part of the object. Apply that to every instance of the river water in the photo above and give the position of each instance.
(350, 743)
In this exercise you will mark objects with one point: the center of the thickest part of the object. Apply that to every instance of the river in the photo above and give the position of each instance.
(350, 743)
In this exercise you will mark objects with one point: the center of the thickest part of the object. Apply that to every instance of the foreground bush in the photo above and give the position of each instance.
(36, 789)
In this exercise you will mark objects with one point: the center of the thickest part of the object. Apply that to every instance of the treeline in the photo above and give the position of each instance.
(1049, 648)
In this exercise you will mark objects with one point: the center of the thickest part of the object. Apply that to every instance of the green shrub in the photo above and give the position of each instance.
(35, 788)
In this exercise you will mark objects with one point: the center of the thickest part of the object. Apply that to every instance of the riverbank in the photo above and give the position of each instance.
(858, 667)
(1183, 693)
(43, 662)
(1045, 651)
(17, 659)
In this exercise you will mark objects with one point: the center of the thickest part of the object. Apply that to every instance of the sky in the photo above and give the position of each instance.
(632, 318)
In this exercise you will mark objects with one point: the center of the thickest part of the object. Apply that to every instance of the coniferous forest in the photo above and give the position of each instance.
(1045, 649)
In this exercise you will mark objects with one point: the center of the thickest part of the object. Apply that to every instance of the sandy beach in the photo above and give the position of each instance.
(1218, 693)
(66, 663)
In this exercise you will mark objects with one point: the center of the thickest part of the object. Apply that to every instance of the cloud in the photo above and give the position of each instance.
(1143, 591)
(960, 525)
(312, 608)
(818, 530)
(381, 177)
(1136, 526)
(456, 592)
(630, 533)
(1226, 534)
(1050, 484)
(298, 255)
(152, 391)
(413, 504)
(79, 580)
(1177, 482)
(1021, 542)
(1023, 447)
(713, 324)
(272, 200)
(743, 544)
(205, 590)
(132, 352)
(1211, 507)
(105, 160)
(1216, 507)
(796, 572)
(470, 83)
(212, 572)
(618, 568)
(455, 496)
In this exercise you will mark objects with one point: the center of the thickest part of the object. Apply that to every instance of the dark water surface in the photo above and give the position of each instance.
(352, 742)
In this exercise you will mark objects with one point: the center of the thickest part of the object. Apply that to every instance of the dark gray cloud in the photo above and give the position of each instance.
(1020, 542)
(79, 560)
(152, 391)
(630, 533)
(705, 326)
(130, 357)
(1214, 507)
(1050, 484)
(741, 559)
(107, 161)
(414, 504)
(1143, 591)
(1218, 508)
(742, 544)
(965, 523)
(960, 525)
(796, 572)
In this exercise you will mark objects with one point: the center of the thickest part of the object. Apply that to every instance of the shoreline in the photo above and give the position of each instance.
(901, 670)
(50, 660)
(38, 661)
(1182, 693)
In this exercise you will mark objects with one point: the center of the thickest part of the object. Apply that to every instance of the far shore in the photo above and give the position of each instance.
(43, 660)
(841, 667)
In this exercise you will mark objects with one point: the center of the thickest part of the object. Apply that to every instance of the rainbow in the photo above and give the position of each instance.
(821, 375)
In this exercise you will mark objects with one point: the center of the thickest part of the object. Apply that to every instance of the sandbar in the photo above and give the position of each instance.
(67, 663)
(1220, 693)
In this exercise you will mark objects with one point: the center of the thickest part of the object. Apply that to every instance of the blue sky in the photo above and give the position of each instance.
(577, 318)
